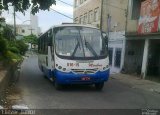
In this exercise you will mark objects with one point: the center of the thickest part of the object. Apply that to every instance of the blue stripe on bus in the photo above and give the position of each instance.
(47, 72)
(72, 78)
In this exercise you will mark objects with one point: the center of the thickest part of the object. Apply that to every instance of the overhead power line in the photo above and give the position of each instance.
(19, 18)
(65, 3)
(115, 7)
(107, 3)
(61, 13)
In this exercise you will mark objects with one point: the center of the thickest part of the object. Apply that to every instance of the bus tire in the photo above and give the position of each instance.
(99, 86)
(42, 69)
(45, 76)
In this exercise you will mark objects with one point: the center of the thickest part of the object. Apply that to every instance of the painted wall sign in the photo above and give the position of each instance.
(95, 65)
(149, 17)
(73, 64)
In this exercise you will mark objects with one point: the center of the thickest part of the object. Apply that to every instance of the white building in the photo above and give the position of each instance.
(109, 18)
(28, 29)
(116, 51)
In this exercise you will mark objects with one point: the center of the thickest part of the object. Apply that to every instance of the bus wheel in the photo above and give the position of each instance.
(99, 86)
(42, 69)
(45, 76)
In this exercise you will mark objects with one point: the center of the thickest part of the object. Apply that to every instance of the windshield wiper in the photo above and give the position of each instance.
(75, 49)
(87, 44)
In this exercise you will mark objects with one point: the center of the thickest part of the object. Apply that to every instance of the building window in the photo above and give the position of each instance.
(81, 1)
(76, 20)
(85, 18)
(96, 14)
(136, 6)
(90, 16)
(76, 3)
(81, 19)
(23, 31)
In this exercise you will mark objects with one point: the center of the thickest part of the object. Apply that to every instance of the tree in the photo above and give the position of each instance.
(31, 39)
(22, 5)
(8, 33)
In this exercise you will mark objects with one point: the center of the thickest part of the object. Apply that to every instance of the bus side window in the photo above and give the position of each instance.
(50, 36)
(51, 42)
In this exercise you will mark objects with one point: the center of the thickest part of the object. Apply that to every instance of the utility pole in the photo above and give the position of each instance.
(31, 31)
(14, 15)
(101, 14)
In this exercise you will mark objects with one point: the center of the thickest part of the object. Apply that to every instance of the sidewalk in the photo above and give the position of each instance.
(137, 82)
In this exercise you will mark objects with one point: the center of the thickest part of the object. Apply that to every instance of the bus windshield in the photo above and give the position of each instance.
(80, 42)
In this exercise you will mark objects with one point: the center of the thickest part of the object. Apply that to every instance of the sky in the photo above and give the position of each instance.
(46, 19)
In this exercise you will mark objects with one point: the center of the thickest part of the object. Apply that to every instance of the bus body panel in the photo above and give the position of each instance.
(72, 78)
(96, 70)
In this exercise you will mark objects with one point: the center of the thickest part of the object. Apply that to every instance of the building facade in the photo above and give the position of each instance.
(110, 17)
(143, 38)
(87, 12)
(113, 21)
(28, 29)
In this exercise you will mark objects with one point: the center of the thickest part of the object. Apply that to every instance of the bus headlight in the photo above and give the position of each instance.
(59, 67)
(64, 69)
(106, 67)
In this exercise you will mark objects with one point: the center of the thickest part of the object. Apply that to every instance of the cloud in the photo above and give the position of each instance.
(67, 10)
(46, 18)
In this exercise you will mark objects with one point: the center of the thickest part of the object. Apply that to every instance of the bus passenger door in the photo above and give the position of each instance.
(50, 50)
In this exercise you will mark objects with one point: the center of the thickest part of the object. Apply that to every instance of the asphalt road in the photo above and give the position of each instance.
(39, 93)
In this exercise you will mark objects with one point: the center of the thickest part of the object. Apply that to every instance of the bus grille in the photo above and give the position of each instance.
(85, 71)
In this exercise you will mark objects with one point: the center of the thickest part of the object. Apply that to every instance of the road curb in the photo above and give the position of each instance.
(136, 82)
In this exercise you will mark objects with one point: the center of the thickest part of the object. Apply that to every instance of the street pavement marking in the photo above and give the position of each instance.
(20, 107)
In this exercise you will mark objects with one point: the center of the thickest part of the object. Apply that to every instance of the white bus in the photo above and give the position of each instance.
(74, 54)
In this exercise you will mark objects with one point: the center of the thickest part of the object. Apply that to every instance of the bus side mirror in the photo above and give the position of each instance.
(49, 38)
(105, 37)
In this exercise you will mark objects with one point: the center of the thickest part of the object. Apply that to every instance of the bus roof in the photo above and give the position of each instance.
(73, 24)
(70, 25)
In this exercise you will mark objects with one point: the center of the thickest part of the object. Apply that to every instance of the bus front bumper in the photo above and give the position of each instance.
(72, 78)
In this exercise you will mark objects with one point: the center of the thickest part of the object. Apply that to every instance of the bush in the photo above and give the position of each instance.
(3, 45)
(21, 46)
(14, 49)
(10, 56)
(18, 47)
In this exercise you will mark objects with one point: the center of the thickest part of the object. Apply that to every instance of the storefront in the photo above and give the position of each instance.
(142, 55)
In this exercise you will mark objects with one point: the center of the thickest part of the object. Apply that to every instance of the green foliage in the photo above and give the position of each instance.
(22, 5)
(10, 49)
(21, 46)
(11, 57)
(18, 47)
(8, 33)
(14, 49)
(3, 45)
(2, 19)
(31, 39)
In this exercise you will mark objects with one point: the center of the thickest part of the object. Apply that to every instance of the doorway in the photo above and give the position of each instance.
(118, 57)
(154, 59)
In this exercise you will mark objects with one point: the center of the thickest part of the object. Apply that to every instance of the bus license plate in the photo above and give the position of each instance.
(85, 78)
